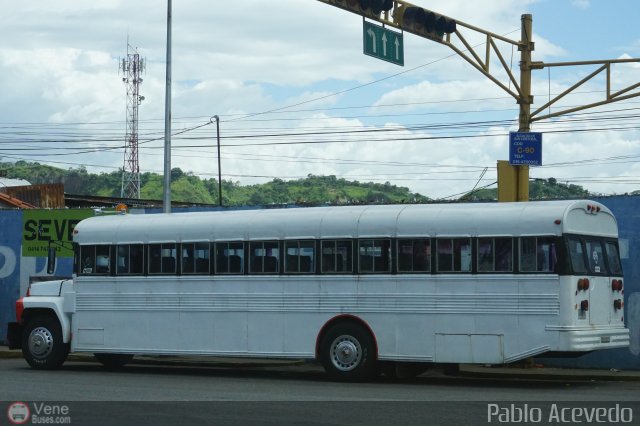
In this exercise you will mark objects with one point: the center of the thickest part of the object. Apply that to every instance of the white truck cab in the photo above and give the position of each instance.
(43, 323)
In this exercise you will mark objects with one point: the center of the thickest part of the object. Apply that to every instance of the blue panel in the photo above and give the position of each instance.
(15, 270)
(525, 148)
(10, 237)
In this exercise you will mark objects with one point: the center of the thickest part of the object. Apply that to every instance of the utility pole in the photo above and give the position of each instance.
(513, 181)
(131, 68)
(166, 199)
(219, 161)
(526, 47)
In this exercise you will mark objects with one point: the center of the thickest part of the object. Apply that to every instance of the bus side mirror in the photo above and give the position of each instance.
(51, 260)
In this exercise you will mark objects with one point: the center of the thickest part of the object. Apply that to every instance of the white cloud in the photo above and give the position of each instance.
(249, 56)
(451, 95)
(581, 4)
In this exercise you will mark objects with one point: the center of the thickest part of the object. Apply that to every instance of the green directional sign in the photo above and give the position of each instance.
(382, 43)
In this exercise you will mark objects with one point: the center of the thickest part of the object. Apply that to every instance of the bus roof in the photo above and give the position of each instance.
(402, 220)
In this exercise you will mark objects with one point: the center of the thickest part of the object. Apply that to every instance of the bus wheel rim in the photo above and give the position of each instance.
(40, 342)
(346, 353)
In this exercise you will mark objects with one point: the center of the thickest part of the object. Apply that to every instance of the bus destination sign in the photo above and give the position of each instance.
(525, 148)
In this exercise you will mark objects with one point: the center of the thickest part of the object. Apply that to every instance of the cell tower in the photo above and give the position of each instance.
(132, 66)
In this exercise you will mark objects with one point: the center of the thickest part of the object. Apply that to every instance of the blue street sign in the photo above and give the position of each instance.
(525, 148)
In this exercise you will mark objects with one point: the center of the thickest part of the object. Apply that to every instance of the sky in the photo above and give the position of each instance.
(296, 96)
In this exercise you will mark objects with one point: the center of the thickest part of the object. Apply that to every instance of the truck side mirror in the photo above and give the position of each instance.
(51, 260)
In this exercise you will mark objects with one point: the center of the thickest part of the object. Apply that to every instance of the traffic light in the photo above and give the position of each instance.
(427, 23)
(369, 7)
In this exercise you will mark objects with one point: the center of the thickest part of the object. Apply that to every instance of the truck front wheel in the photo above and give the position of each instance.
(42, 345)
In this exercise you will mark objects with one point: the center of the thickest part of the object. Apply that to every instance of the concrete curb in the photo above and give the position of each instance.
(8, 354)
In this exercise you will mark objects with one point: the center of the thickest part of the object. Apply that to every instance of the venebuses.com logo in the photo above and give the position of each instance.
(18, 413)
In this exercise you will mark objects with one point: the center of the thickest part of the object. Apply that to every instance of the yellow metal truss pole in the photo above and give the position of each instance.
(513, 181)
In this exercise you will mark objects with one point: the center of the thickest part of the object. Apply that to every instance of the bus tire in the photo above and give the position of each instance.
(42, 345)
(347, 352)
(113, 361)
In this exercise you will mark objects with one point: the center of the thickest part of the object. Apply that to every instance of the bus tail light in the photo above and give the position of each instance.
(19, 310)
(618, 304)
(616, 285)
(583, 284)
(584, 305)
(593, 209)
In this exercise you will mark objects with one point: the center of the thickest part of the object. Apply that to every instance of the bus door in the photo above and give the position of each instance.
(599, 290)
(591, 296)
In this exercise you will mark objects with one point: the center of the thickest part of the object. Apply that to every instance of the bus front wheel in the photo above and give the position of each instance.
(347, 352)
(42, 345)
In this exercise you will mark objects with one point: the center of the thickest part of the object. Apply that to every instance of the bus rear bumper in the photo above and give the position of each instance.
(582, 340)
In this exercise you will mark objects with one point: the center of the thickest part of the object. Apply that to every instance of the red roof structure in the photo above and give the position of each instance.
(12, 202)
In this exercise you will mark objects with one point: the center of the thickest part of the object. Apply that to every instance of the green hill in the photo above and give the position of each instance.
(185, 187)
(312, 190)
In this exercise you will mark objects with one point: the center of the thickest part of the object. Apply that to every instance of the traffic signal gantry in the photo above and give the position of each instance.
(513, 181)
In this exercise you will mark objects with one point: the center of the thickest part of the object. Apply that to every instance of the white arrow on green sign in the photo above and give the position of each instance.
(382, 43)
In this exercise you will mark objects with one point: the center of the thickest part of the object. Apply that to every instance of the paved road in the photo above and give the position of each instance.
(152, 394)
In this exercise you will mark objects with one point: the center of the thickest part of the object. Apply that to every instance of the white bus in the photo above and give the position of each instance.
(352, 287)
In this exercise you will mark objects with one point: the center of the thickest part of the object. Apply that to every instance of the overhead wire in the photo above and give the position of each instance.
(455, 130)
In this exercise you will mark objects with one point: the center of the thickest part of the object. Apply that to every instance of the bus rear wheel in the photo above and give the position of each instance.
(42, 345)
(113, 361)
(347, 352)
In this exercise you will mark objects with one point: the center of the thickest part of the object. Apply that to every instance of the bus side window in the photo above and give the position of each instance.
(485, 255)
(195, 258)
(538, 254)
(169, 259)
(495, 254)
(547, 254)
(528, 254)
(95, 260)
(462, 255)
(129, 259)
(103, 259)
(454, 254)
(300, 256)
(445, 255)
(122, 260)
(337, 256)
(375, 256)
(202, 256)
(264, 257)
(162, 259)
(188, 259)
(504, 254)
(414, 255)
(136, 259)
(87, 259)
(229, 258)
